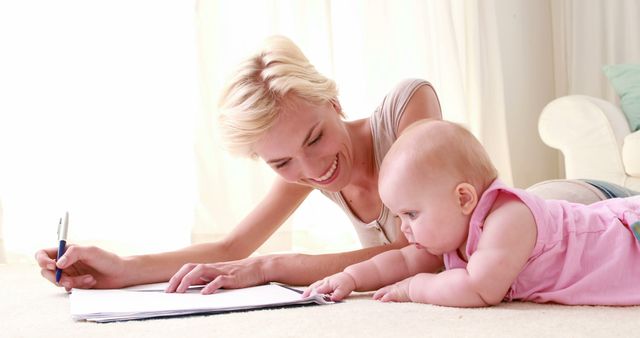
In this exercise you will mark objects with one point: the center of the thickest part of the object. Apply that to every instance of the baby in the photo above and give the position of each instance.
(496, 243)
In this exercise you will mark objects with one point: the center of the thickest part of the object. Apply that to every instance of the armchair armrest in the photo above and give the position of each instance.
(590, 134)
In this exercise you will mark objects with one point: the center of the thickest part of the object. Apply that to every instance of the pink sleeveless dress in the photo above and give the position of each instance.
(584, 254)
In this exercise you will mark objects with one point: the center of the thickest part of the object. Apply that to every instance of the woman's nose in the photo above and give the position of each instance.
(309, 168)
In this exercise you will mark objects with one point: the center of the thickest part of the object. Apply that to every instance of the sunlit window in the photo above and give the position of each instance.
(97, 118)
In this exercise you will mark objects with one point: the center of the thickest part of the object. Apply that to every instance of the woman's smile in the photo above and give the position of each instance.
(330, 174)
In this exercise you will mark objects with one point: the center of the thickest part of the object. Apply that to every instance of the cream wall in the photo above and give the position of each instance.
(526, 50)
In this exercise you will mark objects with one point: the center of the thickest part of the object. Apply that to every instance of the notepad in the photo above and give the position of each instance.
(150, 301)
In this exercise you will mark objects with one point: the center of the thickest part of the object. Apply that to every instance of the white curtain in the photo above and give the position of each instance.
(3, 258)
(99, 101)
(367, 47)
(589, 34)
(97, 118)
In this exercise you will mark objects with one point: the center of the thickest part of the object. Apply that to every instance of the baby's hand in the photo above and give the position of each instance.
(398, 292)
(338, 286)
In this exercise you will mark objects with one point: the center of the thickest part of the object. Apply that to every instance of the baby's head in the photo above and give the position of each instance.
(432, 178)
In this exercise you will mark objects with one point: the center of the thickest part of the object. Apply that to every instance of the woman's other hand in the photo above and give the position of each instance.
(230, 275)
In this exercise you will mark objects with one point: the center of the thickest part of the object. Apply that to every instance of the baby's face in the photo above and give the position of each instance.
(429, 209)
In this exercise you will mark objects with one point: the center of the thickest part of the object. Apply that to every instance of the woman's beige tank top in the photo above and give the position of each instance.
(384, 126)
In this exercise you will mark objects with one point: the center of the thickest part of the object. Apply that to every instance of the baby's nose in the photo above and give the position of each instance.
(406, 230)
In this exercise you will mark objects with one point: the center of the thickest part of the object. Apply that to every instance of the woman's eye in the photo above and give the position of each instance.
(315, 140)
(282, 164)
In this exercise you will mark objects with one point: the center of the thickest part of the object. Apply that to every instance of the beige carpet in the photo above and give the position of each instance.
(31, 307)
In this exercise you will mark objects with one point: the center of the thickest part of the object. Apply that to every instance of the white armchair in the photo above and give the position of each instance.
(595, 139)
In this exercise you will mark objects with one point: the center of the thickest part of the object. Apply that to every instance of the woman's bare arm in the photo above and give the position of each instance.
(92, 267)
(280, 202)
(293, 269)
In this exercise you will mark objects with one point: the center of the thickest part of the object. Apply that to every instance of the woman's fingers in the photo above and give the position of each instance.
(191, 278)
(220, 282)
(231, 275)
(50, 275)
(79, 282)
(76, 253)
(176, 280)
(191, 274)
(44, 260)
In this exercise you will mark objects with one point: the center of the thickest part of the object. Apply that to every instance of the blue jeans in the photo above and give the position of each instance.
(611, 190)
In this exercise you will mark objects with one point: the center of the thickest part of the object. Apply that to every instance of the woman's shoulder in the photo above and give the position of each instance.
(404, 89)
(399, 100)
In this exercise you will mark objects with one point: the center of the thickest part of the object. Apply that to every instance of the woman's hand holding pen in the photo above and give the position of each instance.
(84, 267)
(230, 275)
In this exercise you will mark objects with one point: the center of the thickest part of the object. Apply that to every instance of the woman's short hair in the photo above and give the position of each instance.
(250, 103)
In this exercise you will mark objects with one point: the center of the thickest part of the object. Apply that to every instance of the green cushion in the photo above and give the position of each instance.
(625, 79)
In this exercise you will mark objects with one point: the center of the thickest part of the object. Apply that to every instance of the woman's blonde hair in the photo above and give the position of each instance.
(252, 99)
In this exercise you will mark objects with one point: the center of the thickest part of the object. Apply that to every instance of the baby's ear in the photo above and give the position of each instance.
(467, 197)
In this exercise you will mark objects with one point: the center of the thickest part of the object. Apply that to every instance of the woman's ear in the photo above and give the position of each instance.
(467, 197)
(336, 105)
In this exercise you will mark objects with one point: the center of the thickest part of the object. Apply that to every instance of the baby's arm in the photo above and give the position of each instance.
(383, 269)
(392, 266)
(508, 238)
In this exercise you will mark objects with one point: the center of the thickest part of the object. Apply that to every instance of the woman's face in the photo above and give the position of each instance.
(309, 144)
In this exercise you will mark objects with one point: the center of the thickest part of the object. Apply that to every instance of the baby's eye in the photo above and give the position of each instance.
(410, 214)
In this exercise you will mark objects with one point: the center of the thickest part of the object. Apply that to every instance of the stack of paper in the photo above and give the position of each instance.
(150, 301)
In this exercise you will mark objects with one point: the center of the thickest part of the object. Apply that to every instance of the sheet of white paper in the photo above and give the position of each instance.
(155, 287)
(144, 302)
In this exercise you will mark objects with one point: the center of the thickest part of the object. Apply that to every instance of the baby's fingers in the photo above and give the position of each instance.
(324, 287)
(380, 293)
(389, 297)
(339, 293)
(309, 291)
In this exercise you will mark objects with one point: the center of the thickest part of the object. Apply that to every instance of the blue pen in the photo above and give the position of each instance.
(62, 242)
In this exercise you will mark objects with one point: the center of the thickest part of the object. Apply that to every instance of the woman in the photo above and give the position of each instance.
(278, 108)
